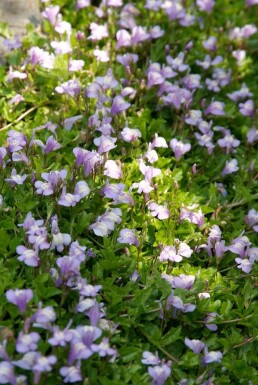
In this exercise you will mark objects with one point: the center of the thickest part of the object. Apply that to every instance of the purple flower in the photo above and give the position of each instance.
(16, 99)
(130, 134)
(177, 64)
(19, 298)
(16, 179)
(214, 356)
(7, 375)
(247, 108)
(230, 167)
(61, 47)
(205, 5)
(119, 105)
(196, 217)
(79, 5)
(211, 317)
(44, 316)
(182, 281)
(179, 148)
(60, 337)
(16, 141)
(50, 13)
(59, 240)
(195, 345)
(252, 135)
(149, 359)
(128, 236)
(175, 253)
(105, 143)
(159, 211)
(71, 373)
(228, 142)
(252, 217)
(177, 303)
(103, 349)
(216, 108)
(98, 32)
(15, 75)
(28, 256)
(159, 373)
(112, 169)
(244, 264)
(27, 342)
(210, 44)
(71, 88)
(44, 364)
(101, 55)
(123, 38)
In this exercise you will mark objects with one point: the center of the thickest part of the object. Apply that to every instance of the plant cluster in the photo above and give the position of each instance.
(128, 206)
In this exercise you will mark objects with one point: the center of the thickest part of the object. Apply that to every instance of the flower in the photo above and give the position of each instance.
(230, 167)
(128, 236)
(175, 253)
(19, 298)
(195, 345)
(119, 105)
(179, 148)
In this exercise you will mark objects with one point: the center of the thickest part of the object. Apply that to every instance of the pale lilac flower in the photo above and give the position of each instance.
(44, 364)
(15, 179)
(205, 5)
(82, 189)
(247, 108)
(231, 166)
(240, 246)
(75, 65)
(214, 356)
(175, 253)
(50, 13)
(39, 56)
(82, 4)
(61, 47)
(211, 317)
(72, 88)
(128, 236)
(177, 303)
(182, 281)
(228, 142)
(241, 94)
(16, 99)
(159, 374)
(12, 44)
(29, 257)
(130, 134)
(15, 75)
(193, 117)
(156, 32)
(71, 373)
(177, 64)
(179, 148)
(143, 187)
(112, 169)
(252, 135)
(119, 105)
(98, 32)
(60, 337)
(16, 141)
(239, 55)
(149, 359)
(101, 55)
(44, 316)
(69, 122)
(249, 3)
(68, 200)
(59, 240)
(159, 211)
(105, 143)
(19, 298)
(103, 349)
(27, 342)
(192, 216)
(158, 142)
(244, 264)
(123, 38)
(7, 375)
(195, 345)
(139, 35)
(216, 108)
(210, 44)
(252, 217)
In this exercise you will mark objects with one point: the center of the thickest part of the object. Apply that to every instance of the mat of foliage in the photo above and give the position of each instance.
(128, 219)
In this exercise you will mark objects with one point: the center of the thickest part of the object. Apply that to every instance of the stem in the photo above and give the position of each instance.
(158, 346)
(21, 117)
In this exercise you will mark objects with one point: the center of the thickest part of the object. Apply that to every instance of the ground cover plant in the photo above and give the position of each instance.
(129, 215)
